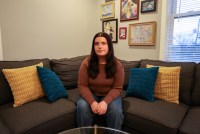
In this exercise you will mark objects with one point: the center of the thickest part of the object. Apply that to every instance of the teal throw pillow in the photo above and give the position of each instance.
(52, 85)
(142, 83)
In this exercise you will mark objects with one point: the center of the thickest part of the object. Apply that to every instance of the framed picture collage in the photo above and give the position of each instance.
(139, 34)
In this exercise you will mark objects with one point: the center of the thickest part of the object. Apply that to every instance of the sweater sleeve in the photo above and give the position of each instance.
(117, 86)
(83, 79)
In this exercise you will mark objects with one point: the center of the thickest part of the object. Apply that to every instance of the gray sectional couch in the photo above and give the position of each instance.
(141, 117)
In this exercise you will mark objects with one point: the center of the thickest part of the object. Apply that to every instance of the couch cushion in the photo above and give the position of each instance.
(5, 91)
(73, 94)
(39, 116)
(196, 90)
(3, 127)
(67, 70)
(186, 76)
(25, 84)
(158, 117)
(142, 83)
(127, 66)
(190, 124)
(51, 84)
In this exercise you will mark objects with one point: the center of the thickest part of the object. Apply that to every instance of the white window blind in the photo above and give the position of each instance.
(183, 31)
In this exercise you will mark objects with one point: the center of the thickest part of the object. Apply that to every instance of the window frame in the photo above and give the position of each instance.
(170, 13)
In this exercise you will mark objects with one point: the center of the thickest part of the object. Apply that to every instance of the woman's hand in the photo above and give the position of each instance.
(102, 107)
(95, 107)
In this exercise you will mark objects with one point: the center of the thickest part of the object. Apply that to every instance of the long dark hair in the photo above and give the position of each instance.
(110, 68)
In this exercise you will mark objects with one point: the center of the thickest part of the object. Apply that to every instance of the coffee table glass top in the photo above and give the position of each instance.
(93, 130)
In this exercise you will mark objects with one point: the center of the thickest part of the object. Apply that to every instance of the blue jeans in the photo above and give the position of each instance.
(114, 115)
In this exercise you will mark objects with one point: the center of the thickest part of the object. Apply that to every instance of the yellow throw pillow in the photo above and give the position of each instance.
(167, 83)
(24, 83)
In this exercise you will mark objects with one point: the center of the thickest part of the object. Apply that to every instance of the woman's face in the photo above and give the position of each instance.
(101, 46)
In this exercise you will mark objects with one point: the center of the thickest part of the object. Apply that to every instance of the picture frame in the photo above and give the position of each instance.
(129, 10)
(122, 32)
(108, 0)
(107, 10)
(148, 6)
(111, 28)
(142, 34)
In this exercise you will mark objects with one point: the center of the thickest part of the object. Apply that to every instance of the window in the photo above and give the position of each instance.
(183, 31)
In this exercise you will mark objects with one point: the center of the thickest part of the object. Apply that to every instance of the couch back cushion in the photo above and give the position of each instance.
(127, 66)
(67, 70)
(5, 91)
(196, 90)
(186, 76)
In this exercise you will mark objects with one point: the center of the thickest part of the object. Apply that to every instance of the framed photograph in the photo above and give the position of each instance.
(142, 34)
(107, 10)
(148, 6)
(111, 28)
(129, 10)
(122, 32)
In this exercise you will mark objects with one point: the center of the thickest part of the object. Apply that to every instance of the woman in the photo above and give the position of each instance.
(100, 81)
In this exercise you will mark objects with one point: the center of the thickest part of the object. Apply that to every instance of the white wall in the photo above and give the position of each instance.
(65, 28)
(47, 28)
(1, 52)
(122, 49)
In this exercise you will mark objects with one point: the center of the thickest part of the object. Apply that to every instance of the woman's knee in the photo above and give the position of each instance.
(82, 104)
(116, 106)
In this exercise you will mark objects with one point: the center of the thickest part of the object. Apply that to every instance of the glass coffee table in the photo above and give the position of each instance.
(93, 130)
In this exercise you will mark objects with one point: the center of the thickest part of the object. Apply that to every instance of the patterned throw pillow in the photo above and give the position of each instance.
(25, 84)
(142, 83)
(52, 85)
(167, 84)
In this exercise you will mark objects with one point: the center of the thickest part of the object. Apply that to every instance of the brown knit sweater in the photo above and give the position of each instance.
(110, 88)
